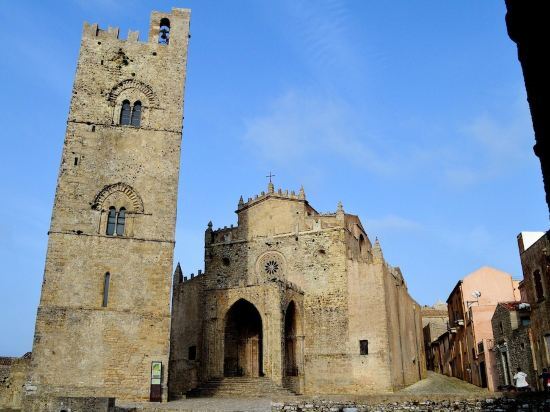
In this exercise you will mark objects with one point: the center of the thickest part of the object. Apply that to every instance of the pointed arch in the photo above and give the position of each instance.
(113, 94)
(135, 199)
(243, 337)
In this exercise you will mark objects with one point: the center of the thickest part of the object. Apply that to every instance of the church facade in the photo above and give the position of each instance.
(302, 298)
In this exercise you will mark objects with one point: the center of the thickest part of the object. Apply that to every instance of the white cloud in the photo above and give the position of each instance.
(496, 141)
(108, 5)
(392, 223)
(305, 128)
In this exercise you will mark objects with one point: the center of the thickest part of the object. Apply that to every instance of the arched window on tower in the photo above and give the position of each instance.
(120, 222)
(136, 114)
(111, 221)
(164, 32)
(125, 112)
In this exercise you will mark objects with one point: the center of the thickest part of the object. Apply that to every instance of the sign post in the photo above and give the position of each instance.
(156, 382)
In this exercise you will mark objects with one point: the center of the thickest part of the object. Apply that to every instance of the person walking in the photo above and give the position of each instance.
(545, 376)
(520, 381)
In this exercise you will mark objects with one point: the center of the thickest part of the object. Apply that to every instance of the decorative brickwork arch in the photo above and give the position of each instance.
(135, 199)
(132, 84)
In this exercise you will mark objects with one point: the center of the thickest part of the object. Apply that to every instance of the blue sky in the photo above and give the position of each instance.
(413, 114)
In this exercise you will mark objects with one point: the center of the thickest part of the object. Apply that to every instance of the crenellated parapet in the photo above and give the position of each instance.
(272, 193)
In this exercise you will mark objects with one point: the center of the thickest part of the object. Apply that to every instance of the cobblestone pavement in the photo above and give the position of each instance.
(435, 386)
(206, 405)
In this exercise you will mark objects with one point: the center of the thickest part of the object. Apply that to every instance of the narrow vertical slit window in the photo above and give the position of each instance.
(120, 222)
(539, 291)
(106, 281)
(136, 114)
(111, 221)
(125, 112)
(363, 347)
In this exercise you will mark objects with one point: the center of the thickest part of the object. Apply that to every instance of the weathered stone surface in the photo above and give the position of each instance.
(67, 404)
(535, 289)
(512, 343)
(86, 345)
(527, 403)
(13, 373)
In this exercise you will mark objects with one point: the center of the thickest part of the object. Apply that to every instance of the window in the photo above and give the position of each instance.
(130, 115)
(192, 354)
(121, 220)
(116, 222)
(525, 320)
(125, 113)
(539, 292)
(111, 221)
(164, 32)
(136, 114)
(363, 347)
(106, 281)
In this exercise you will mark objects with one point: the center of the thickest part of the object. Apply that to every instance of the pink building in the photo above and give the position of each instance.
(471, 305)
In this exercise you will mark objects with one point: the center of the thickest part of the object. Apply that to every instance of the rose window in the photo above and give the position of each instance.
(271, 267)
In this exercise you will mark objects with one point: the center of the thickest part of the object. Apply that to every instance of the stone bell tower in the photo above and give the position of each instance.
(104, 316)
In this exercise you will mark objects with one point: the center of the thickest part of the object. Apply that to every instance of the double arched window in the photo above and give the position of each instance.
(116, 220)
(130, 115)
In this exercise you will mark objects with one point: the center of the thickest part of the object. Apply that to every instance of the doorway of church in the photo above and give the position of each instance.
(243, 340)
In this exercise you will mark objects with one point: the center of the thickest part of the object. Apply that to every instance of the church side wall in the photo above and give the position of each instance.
(368, 321)
(327, 359)
(185, 333)
(405, 325)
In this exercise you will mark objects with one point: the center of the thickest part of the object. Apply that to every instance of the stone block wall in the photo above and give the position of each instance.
(535, 263)
(104, 312)
(13, 374)
(513, 344)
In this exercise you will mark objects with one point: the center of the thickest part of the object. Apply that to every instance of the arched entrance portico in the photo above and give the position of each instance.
(243, 341)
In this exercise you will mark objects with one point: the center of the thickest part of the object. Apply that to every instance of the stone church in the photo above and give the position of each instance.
(299, 297)
(292, 296)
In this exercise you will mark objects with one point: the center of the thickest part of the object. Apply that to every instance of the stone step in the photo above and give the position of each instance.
(245, 387)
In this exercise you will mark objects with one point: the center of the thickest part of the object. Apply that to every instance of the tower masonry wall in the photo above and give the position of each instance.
(104, 313)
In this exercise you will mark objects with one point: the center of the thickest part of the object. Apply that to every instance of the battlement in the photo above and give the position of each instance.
(280, 194)
(163, 27)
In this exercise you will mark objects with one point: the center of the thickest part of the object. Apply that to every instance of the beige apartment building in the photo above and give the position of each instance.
(471, 305)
